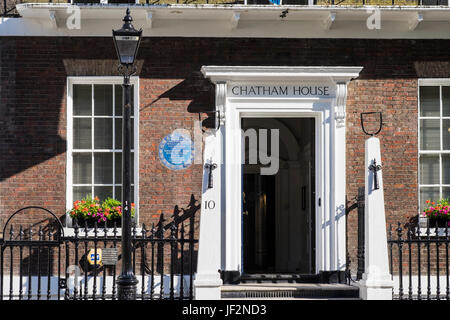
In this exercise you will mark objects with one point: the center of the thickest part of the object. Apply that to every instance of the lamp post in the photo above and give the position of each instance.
(126, 41)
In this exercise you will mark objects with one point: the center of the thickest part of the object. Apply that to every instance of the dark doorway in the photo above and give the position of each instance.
(278, 209)
(258, 217)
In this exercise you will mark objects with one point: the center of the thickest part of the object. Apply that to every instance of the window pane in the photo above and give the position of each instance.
(82, 168)
(118, 134)
(103, 133)
(103, 168)
(446, 134)
(103, 103)
(446, 101)
(81, 192)
(82, 133)
(103, 192)
(428, 194)
(446, 169)
(446, 192)
(118, 99)
(119, 194)
(118, 169)
(429, 101)
(429, 169)
(429, 135)
(82, 99)
(118, 137)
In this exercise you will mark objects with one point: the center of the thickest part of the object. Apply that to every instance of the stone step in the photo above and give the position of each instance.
(290, 291)
(280, 278)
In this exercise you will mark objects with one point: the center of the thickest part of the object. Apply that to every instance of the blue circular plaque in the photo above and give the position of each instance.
(176, 151)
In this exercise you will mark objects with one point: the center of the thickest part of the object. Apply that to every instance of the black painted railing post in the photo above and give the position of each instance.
(21, 236)
(182, 262)
(400, 261)
(1, 272)
(152, 271)
(66, 272)
(114, 267)
(419, 266)
(161, 258)
(191, 257)
(40, 235)
(11, 266)
(173, 239)
(438, 289)
(94, 287)
(409, 237)
(105, 243)
(447, 292)
(30, 250)
(76, 244)
(361, 240)
(143, 261)
(428, 264)
(86, 243)
(49, 265)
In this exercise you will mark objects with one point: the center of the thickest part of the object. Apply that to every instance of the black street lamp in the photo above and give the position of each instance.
(126, 41)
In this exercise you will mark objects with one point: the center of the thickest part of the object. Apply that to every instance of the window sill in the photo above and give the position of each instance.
(70, 232)
(440, 232)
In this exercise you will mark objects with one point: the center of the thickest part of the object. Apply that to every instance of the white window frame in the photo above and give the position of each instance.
(431, 83)
(69, 133)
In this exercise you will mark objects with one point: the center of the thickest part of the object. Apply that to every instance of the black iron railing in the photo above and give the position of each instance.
(419, 261)
(46, 264)
(360, 255)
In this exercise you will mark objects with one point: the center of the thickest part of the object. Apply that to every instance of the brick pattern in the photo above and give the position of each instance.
(172, 89)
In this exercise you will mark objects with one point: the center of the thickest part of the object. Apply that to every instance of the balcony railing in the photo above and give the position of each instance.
(7, 7)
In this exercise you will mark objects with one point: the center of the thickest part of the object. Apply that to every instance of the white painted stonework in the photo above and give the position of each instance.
(376, 283)
(207, 280)
(223, 20)
(220, 230)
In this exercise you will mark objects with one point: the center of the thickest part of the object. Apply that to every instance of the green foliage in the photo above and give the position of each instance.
(90, 208)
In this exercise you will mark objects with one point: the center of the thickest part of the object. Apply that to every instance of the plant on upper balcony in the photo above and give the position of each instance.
(438, 213)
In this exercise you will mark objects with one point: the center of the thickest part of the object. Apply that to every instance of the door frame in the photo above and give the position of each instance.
(307, 113)
(233, 175)
(225, 143)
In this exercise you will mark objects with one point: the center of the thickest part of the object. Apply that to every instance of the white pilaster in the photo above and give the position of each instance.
(207, 279)
(376, 283)
(338, 252)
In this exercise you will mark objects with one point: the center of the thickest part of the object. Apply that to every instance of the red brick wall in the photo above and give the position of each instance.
(33, 81)
(397, 100)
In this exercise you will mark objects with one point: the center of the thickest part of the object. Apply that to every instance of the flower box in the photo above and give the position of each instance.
(89, 212)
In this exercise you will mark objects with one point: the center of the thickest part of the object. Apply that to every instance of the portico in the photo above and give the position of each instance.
(318, 93)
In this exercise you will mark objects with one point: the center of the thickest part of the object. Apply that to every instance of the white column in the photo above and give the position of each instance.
(207, 279)
(376, 283)
(338, 252)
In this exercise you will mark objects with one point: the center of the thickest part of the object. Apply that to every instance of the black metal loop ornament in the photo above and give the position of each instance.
(362, 123)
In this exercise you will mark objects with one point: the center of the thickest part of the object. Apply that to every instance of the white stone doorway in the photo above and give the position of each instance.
(278, 216)
(271, 92)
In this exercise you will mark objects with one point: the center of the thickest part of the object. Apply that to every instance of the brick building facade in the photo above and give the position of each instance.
(173, 93)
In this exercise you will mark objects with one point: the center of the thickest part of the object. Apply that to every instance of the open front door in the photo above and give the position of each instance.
(278, 211)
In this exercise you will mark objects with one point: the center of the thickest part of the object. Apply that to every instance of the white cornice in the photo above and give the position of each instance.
(255, 21)
(282, 73)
